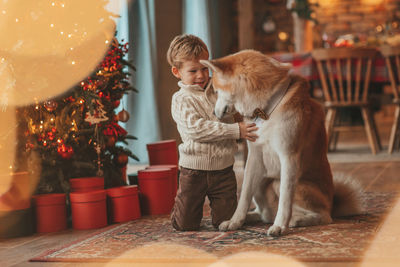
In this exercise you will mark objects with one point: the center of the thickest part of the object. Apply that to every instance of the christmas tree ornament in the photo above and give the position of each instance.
(98, 115)
(65, 151)
(116, 103)
(122, 159)
(111, 140)
(50, 105)
(123, 115)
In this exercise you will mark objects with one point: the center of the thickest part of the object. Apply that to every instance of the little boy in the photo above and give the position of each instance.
(206, 155)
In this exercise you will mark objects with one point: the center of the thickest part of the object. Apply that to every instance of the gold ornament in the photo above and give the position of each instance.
(123, 115)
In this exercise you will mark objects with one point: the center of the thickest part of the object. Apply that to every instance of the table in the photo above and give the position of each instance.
(304, 65)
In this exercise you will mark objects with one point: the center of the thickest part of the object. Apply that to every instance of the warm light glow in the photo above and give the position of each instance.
(283, 36)
(371, 2)
(16, 20)
(379, 28)
(73, 62)
(36, 107)
(52, 25)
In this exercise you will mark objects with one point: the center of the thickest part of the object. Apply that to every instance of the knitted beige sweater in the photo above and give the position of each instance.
(208, 144)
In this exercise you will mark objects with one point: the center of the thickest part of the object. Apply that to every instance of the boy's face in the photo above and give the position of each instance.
(192, 72)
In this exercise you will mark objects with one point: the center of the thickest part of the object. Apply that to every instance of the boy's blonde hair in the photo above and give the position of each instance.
(185, 47)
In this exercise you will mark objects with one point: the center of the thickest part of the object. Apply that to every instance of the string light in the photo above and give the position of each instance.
(16, 20)
(11, 167)
(36, 107)
(52, 25)
(73, 62)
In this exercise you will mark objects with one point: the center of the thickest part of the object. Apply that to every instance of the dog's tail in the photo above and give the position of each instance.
(347, 197)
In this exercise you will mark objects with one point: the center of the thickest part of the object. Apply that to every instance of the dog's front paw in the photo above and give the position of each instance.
(229, 225)
(276, 230)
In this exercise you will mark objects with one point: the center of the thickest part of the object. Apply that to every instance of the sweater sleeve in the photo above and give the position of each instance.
(197, 128)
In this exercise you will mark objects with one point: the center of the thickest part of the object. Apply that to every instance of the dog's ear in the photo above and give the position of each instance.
(218, 65)
(210, 64)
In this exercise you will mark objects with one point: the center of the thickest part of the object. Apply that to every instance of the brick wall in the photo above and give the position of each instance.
(337, 17)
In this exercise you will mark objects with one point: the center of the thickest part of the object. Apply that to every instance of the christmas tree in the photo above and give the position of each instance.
(77, 134)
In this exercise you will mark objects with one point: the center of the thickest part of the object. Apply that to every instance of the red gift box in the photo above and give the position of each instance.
(123, 203)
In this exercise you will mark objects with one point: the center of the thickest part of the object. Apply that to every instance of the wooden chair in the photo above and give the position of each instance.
(345, 77)
(392, 58)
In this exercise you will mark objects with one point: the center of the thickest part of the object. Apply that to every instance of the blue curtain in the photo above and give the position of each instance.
(142, 106)
(196, 20)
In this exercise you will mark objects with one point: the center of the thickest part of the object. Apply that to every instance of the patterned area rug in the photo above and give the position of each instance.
(153, 239)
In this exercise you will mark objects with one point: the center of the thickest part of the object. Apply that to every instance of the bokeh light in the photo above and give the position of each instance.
(48, 46)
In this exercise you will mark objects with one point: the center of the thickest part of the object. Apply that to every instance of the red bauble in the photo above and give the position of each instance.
(111, 140)
(116, 103)
(122, 159)
(65, 151)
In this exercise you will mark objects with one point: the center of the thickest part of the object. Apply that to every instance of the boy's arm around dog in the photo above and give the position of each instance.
(196, 121)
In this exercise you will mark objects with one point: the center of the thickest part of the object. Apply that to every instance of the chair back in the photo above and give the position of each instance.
(392, 58)
(342, 72)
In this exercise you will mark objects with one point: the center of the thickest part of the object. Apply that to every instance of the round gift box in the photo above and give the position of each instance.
(123, 203)
(155, 191)
(163, 152)
(89, 209)
(51, 212)
(173, 178)
(86, 184)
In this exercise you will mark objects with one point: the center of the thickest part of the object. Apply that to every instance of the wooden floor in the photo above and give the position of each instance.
(382, 176)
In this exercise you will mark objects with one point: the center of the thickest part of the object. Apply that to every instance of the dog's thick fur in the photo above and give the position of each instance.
(287, 172)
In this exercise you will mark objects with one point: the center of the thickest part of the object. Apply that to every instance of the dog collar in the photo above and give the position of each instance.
(265, 114)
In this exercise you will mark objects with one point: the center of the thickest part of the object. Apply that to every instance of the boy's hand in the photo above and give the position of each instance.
(246, 131)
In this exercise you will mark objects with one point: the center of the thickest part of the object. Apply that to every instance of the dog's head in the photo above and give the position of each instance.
(245, 80)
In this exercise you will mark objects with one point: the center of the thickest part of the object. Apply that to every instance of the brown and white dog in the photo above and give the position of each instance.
(287, 172)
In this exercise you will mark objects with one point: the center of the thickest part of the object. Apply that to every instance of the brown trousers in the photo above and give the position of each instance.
(194, 185)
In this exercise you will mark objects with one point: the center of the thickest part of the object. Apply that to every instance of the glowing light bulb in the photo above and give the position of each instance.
(16, 20)
(37, 107)
(73, 62)
(53, 4)
(52, 25)
(106, 42)
(41, 122)
(3, 11)
(10, 167)
(283, 36)
(61, 33)
(69, 35)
